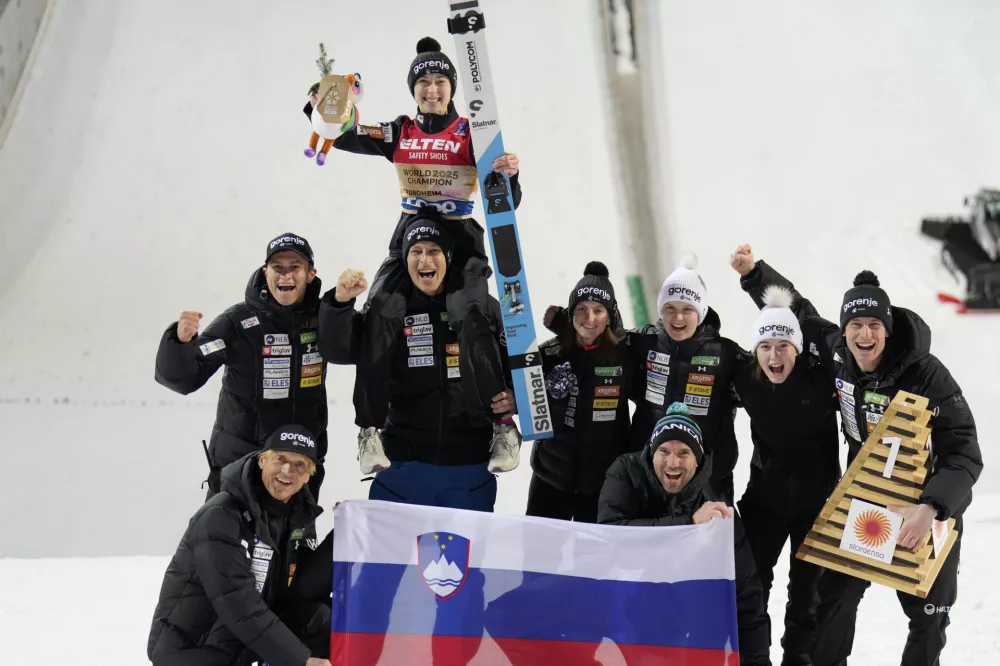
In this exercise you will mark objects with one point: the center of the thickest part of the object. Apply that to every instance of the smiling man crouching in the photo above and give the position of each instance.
(228, 597)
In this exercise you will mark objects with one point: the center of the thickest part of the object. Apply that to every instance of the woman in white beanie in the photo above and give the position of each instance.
(795, 464)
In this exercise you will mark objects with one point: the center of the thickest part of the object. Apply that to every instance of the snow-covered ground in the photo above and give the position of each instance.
(157, 148)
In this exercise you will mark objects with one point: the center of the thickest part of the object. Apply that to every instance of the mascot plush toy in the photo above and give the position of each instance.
(334, 111)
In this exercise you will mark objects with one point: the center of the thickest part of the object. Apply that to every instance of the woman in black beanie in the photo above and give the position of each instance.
(587, 382)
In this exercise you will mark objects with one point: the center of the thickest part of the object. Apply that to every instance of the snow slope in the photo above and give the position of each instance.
(152, 182)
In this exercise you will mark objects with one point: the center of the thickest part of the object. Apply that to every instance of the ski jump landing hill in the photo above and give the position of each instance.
(157, 147)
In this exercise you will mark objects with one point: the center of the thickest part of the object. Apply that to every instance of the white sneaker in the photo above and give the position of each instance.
(371, 455)
(505, 449)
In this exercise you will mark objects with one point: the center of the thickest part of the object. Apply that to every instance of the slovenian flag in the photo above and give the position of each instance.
(419, 585)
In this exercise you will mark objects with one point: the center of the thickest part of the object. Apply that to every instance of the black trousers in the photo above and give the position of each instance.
(469, 239)
(840, 596)
(546, 501)
(766, 533)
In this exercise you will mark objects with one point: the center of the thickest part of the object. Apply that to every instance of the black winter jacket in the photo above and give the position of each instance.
(906, 365)
(698, 371)
(632, 495)
(793, 425)
(274, 372)
(588, 398)
(422, 382)
(236, 559)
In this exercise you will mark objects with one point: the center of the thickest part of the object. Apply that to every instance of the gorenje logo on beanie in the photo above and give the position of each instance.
(422, 230)
(285, 240)
(297, 439)
(684, 291)
(437, 64)
(777, 330)
(860, 302)
(596, 291)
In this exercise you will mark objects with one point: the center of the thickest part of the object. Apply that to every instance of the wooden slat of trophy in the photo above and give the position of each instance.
(906, 418)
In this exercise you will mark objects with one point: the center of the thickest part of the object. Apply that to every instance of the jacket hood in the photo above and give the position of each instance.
(258, 297)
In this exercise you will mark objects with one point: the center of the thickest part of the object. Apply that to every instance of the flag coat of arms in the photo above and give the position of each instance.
(420, 585)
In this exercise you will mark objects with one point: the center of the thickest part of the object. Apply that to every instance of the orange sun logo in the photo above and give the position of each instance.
(872, 529)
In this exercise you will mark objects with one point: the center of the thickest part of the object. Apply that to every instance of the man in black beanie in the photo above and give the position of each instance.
(877, 350)
(233, 591)
(268, 343)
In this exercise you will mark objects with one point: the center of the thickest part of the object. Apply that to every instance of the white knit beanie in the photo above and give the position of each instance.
(776, 321)
(685, 285)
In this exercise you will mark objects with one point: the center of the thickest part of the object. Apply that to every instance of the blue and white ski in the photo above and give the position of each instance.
(468, 25)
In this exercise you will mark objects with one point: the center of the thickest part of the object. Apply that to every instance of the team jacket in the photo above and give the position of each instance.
(588, 398)
(699, 372)
(793, 425)
(274, 372)
(422, 380)
(906, 365)
(632, 495)
(236, 558)
(435, 163)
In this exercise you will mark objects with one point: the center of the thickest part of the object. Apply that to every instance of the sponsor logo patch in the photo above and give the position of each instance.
(656, 378)
(607, 391)
(307, 337)
(312, 370)
(451, 348)
(657, 357)
(608, 371)
(454, 373)
(277, 373)
(277, 362)
(277, 350)
(658, 367)
(451, 361)
(697, 400)
(698, 411)
(696, 378)
(419, 361)
(212, 347)
(654, 397)
(705, 360)
(250, 323)
(275, 394)
(604, 415)
(277, 383)
(425, 329)
(418, 340)
(306, 382)
(606, 404)
(416, 320)
(309, 359)
(877, 398)
(421, 351)
(698, 389)
(276, 339)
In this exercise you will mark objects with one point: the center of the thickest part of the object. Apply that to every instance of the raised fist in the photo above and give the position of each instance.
(350, 284)
(187, 325)
(742, 259)
(550, 315)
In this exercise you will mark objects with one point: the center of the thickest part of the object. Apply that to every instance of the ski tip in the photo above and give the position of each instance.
(948, 298)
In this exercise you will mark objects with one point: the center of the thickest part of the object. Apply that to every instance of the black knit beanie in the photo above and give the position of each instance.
(594, 286)
(430, 60)
(866, 299)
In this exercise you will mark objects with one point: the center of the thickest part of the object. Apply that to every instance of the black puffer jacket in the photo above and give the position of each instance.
(793, 425)
(632, 495)
(588, 398)
(236, 559)
(274, 372)
(418, 379)
(698, 372)
(906, 365)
